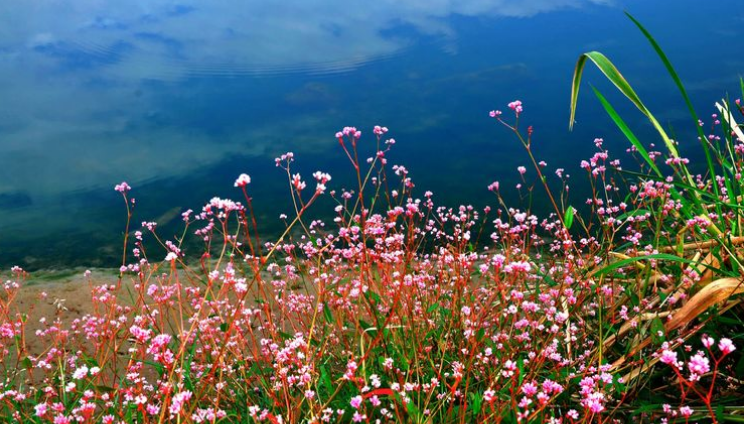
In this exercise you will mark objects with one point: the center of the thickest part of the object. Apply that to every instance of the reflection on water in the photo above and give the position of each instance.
(179, 97)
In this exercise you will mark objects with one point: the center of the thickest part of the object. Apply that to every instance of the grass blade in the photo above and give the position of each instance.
(681, 87)
(613, 75)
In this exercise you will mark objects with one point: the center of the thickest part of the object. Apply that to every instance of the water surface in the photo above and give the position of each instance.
(179, 97)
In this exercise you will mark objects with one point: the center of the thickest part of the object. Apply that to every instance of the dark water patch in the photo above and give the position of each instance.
(15, 200)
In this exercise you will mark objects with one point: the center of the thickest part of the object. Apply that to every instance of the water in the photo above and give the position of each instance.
(178, 98)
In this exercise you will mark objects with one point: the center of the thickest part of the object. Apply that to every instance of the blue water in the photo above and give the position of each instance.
(179, 97)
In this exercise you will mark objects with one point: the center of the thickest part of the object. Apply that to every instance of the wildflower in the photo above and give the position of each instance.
(388, 363)
(685, 411)
(698, 365)
(356, 402)
(668, 357)
(726, 346)
(322, 178)
(529, 389)
(179, 400)
(516, 106)
(708, 341)
(61, 419)
(509, 368)
(243, 180)
(81, 372)
(594, 402)
(122, 188)
(378, 130)
(40, 410)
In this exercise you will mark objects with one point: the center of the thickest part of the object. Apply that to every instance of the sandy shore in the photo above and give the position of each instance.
(56, 293)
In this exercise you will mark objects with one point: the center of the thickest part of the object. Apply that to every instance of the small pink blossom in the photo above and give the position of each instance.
(708, 341)
(726, 346)
(40, 410)
(378, 130)
(685, 411)
(243, 180)
(356, 402)
(179, 400)
(698, 365)
(516, 106)
(123, 187)
(669, 357)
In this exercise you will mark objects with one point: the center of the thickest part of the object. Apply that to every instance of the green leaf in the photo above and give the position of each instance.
(365, 325)
(568, 217)
(624, 262)
(616, 78)
(681, 87)
(325, 379)
(476, 403)
(413, 411)
(327, 313)
(611, 72)
(372, 296)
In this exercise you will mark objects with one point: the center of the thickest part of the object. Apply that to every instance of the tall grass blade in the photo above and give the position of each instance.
(681, 87)
(610, 71)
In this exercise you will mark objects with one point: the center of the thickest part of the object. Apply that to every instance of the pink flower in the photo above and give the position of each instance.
(40, 409)
(708, 341)
(726, 346)
(668, 357)
(122, 188)
(494, 113)
(378, 130)
(686, 411)
(243, 180)
(179, 400)
(356, 402)
(81, 372)
(699, 364)
(594, 402)
(529, 389)
(61, 419)
(516, 106)
(322, 178)
(349, 132)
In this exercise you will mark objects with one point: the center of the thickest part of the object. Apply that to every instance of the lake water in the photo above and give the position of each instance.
(179, 97)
